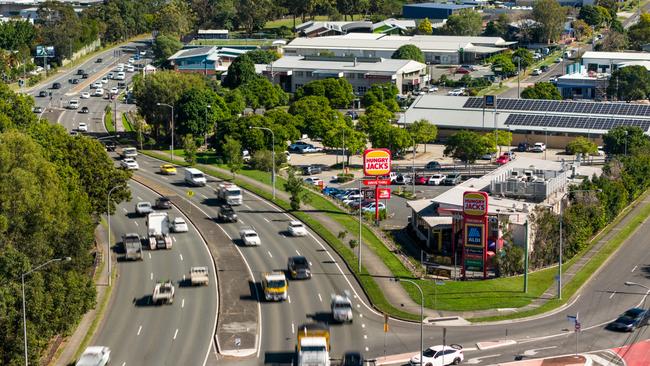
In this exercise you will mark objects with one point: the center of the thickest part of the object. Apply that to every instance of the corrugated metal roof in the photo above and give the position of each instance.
(384, 66)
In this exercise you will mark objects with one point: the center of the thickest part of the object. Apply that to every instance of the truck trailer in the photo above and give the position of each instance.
(158, 231)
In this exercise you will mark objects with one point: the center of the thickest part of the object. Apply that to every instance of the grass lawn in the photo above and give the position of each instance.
(493, 89)
(108, 120)
(126, 124)
(288, 22)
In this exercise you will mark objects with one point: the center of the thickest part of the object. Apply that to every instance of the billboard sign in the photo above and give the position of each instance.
(384, 193)
(376, 162)
(378, 182)
(44, 51)
(489, 101)
(475, 203)
(474, 235)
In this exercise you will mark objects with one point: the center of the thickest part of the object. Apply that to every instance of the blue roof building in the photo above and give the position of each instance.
(431, 10)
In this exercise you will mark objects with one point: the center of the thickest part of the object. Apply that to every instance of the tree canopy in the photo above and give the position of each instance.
(622, 139)
(409, 52)
(581, 145)
(541, 90)
(467, 146)
(550, 16)
(164, 46)
(240, 71)
(523, 56)
(338, 91)
(425, 27)
(629, 83)
(467, 22)
(639, 33)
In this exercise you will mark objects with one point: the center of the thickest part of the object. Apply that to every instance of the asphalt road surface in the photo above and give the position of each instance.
(140, 333)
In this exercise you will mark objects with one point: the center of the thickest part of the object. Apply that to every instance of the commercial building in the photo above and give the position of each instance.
(553, 122)
(446, 50)
(432, 10)
(212, 34)
(205, 60)
(292, 72)
(314, 28)
(450, 230)
(606, 62)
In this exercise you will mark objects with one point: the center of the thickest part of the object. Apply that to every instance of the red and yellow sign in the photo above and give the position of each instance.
(475, 203)
(376, 162)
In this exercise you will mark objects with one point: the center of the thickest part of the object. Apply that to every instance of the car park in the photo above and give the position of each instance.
(143, 208)
(162, 203)
(84, 109)
(436, 179)
(130, 164)
(298, 268)
(167, 169)
(296, 228)
(84, 95)
(313, 181)
(42, 94)
(439, 356)
(178, 225)
(452, 179)
(83, 126)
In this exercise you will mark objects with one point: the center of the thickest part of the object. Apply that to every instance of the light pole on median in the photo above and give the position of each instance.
(172, 107)
(22, 279)
(272, 154)
(397, 279)
(108, 243)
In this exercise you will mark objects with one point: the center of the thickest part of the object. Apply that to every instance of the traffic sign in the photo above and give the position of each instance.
(377, 182)
(577, 326)
(190, 193)
(384, 193)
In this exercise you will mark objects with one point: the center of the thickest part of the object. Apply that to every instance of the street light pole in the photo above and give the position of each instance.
(205, 140)
(397, 279)
(272, 154)
(108, 243)
(172, 107)
(22, 279)
(413, 165)
(343, 162)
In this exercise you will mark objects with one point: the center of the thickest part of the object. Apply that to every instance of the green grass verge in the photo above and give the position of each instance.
(108, 120)
(492, 89)
(126, 123)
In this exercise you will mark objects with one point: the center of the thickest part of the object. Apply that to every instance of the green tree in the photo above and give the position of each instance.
(639, 33)
(383, 134)
(510, 261)
(502, 65)
(620, 139)
(60, 27)
(541, 90)
(467, 146)
(241, 71)
(613, 41)
(550, 16)
(610, 5)
(16, 35)
(232, 154)
(343, 131)
(385, 93)
(174, 17)
(581, 145)
(425, 27)
(338, 91)
(189, 148)
(590, 15)
(260, 92)
(296, 188)
(498, 27)
(582, 30)
(466, 22)
(164, 46)
(423, 132)
(316, 115)
(409, 52)
(253, 14)
(629, 83)
(523, 56)
(376, 113)
(198, 110)
(351, 7)
(263, 56)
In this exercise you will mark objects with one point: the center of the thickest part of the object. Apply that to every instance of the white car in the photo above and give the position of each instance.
(130, 68)
(104, 80)
(178, 225)
(371, 207)
(456, 92)
(440, 356)
(95, 356)
(119, 69)
(249, 236)
(115, 90)
(130, 164)
(143, 208)
(313, 181)
(131, 60)
(111, 75)
(352, 199)
(98, 92)
(538, 147)
(537, 72)
(296, 228)
(84, 95)
(73, 104)
(436, 179)
(82, 127)
(120, 76)
(97, 85)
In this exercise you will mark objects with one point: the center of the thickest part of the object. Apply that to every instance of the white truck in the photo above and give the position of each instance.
(199, 276)
(230, 194)
(132, 246)
(163, 293)
(313, 345)
(158, 230)
(129, 152)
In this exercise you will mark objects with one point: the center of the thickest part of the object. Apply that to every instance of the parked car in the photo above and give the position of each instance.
(297, 145)
(351, 199)
(452, 179)
(462, 70)
(111, 75)
(313, 181)
(558, 60)
(163, 203)
(104, 80)
(456, 92)
(331, 191)
(352, 114)
(371, 207)
(630, 320)
(402, 179)
(433, 165)
(309, 149)
(538, 147)
(488, 156)
(421, 180)
(503, 159)
(544, 68)
(436, 179)
(311, 169)
(439, 356)
(511, 154)
(178, 225)
(523, 147)
(96, 85)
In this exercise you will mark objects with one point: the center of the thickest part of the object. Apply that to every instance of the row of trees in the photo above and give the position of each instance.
(53, 188)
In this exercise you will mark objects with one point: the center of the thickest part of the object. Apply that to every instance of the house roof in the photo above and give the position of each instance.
(631, 56)
(438, 6)
(193, 52)
(213, 31)
(386, 66)
(393, 23)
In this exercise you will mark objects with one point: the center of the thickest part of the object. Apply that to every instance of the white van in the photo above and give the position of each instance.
(195, 177)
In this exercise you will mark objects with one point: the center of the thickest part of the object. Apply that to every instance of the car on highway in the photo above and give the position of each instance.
(95, 356)
(130, 68)
(73, 104)
(99, 60)
(167, 169)
(80, 71)
(178, 225)
(452, 179)
(98, 92)
(313, 181)
(56, 86)
(227, 214)
(503, 159)
(249, 236)
(536, 72)
(298, 268)
(129, 164)
(630, 320)
(84, 95)
(439, 356)
(42, 94)
(74, 133)
(353, 358)
(120, 68)
(296, 228)
(83, 126)
(162, 203)
(436, 179)
(37, 109)
(558, 60)
(74, 81)
(85, 76)
(143, 208)
(84, 110)
(538, 147)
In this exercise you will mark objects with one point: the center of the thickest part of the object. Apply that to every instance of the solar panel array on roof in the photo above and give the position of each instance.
(539, 120)
(557, 106)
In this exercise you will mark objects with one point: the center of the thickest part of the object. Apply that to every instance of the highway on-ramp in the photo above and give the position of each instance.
(139, 333)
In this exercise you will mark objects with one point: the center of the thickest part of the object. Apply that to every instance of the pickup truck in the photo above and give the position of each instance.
(163, 293)
(199, 276)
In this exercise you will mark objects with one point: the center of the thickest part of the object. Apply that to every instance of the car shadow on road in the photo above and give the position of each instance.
(146, 300)
(212, 202)
(255, 288)
(646, 271)
(321, 317)
(278, 358)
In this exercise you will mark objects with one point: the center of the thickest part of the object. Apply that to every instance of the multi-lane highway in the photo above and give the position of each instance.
(140, 333)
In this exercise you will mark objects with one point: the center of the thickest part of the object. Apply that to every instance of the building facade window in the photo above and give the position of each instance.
(361, 89)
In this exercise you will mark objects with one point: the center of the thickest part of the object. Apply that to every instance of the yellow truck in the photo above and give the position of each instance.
(275, 286)
(313, 345)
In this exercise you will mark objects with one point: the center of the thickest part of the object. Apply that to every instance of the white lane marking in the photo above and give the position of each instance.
(360, 315)
(270, 255)
(534, 351)
(289, 298)
(363, 325)
(242, 221)
(267, 220)
(310, 264)
(365, 336)
(297, 252)
(139, 330)
(136, 223)
(320, 298)
(367, 349)
(204, 196)
(174, 238)
(183, 277)
(293, 328)
(139, 198)
(149, 255)
(125, 210)
(612, 295)
(175, 333)
(123, 363)
(182, 303)
(634, 269)
(181, 256)
(163, 177)
(477, 360)
(247, 206)
(151, 276)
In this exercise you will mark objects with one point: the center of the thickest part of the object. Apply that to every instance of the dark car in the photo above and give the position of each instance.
(99, 60)
(42, 94)
(523, 146)
(433, 165)
(352, 359)
(352, 114)
(38, 109)
(56, 86)
(226, 214)
(110, 145)
(84, 76)
(74, 81)
(311, 169)
(84, 110)
(80, 72)
(331, 191)
(544, 68)
(163, 203)
(452, 179)
(630, 320)
(298, 268)
(121, 85)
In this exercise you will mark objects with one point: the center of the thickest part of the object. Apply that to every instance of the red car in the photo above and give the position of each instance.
(462, 70)
(421, 180)
(503, 159)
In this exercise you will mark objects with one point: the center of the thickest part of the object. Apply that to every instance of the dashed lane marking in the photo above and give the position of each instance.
(320, 298)
(182, 303)
(293, 328)
(174, 238)
(175, 333)
(204, 196)
(125, 210)
(139, 198)
(270, 255)
(136, 223)
(267, 220)
(289, 298)
(149, 255)
(612, 295)
(634, 269)
(181, 256)
(297, 252)
(151, 276)
(139, 330)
